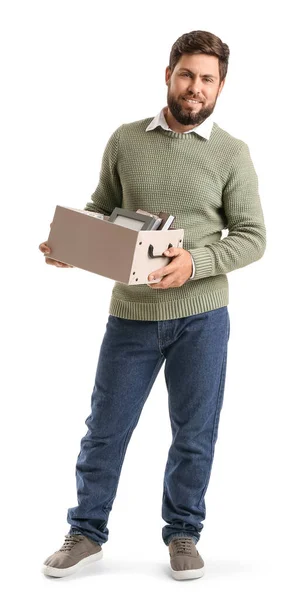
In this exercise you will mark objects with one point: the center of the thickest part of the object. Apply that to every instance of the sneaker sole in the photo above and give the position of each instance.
(55, 572)
(188, 574)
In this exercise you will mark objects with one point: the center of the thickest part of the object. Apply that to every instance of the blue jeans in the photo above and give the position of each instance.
(194, 350)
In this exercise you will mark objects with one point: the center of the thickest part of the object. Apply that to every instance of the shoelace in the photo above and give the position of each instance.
(182, 545)
(70, 541)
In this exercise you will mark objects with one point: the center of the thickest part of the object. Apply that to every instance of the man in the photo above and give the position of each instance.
(183, 163)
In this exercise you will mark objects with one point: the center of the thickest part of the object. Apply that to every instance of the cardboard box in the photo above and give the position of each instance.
(83, 239)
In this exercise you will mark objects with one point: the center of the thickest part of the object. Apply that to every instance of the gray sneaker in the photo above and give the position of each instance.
(185, 560)
(76, 552)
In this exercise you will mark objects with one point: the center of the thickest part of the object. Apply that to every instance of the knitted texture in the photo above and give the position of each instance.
(208, 185)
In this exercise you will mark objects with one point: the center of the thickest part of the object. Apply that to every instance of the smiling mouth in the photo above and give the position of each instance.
(191, 101)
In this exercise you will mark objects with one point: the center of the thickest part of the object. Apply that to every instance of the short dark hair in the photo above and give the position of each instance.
(201, 42)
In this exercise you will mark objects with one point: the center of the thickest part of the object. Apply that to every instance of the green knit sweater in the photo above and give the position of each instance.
(208, 185)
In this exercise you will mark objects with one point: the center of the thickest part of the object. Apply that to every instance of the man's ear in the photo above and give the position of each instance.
(167, 74)
(221, 87)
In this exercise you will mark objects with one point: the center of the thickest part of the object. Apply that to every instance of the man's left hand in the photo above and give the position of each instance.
(176, 273)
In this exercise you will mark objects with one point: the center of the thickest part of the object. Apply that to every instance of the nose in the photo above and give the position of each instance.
(195, 86)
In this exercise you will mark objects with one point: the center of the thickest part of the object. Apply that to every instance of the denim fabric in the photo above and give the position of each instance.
(194, 350)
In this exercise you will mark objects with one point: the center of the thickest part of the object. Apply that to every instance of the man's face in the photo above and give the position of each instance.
(195, 77)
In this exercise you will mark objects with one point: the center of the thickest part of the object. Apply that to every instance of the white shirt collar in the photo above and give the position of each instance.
(204, 130)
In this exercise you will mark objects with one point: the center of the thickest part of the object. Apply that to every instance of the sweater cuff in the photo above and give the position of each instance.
(193, 268)
(203, 260)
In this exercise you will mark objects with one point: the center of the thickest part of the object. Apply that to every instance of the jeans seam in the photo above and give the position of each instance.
(133, 424)
(217, 411)
(159, 339)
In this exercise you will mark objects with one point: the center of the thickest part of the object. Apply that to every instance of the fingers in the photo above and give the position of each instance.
(164, 283)
(44, 248)
(56, 263)
(50, 261)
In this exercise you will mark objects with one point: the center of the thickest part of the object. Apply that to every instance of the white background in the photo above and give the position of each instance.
(72, 72)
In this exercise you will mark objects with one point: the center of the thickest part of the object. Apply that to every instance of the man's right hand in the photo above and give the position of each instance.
(50, 261)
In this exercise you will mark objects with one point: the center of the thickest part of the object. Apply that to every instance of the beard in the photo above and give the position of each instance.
(187, 116)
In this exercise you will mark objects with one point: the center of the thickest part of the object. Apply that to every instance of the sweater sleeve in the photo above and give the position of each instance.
(246, 240)
(108, 193)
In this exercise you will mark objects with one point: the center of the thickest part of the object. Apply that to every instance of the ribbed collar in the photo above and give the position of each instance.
(204, 130)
